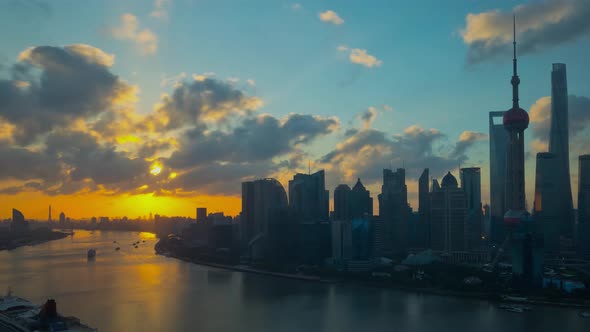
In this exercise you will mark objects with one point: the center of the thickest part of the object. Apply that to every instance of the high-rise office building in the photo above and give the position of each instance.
(62, 218)
(18, 224)
(471, 184)
(394, 211)
(559, 145)
(342, 202)
(424, 209)
(448, 213)
(201, 215)
(308, 197)
(49, 216)
(584, 206)
(361, 202)
(260, 201)
(498, 153)
(546, 203)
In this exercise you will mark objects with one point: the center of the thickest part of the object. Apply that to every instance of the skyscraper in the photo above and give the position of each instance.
(201, 215)
(308, 197)
(49, 216)
(19, 224)
(559, 145)
(546, 203)
(584, 206)
(394, 210)
(448, 212)
(342, 202)
(260, 201)
(498, 153)
(361, 202)
(471, 184)
(424, 208)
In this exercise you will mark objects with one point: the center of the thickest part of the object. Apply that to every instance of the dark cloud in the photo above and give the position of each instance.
(540, 24)
(367, 152)
(578, 116)
(255, 139)
(466, 140)
(204, 99)
(54, 86)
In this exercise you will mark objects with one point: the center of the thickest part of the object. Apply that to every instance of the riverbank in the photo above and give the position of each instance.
(9, 241)
(486, 296)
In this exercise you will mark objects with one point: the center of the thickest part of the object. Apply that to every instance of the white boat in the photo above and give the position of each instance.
(585, 314)
(515, 309)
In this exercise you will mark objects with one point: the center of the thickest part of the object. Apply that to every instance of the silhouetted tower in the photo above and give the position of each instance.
(498, 144)
(584, 206)
(424, 207)
(516, 120)
(559, 146)
(49, 216)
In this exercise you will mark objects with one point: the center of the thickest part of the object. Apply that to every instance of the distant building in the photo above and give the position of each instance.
(342, 202)
(201, 214)
(471, 184)
(62, 218)
(308, 197)
(18, 224)
(498, 144)
(260, 200)
(394, 211)
(448, 213)
(361, 202)
(424, 208)
(49, 216)
(341, 242)
(546, 203)
(584, 206)
(559, 145)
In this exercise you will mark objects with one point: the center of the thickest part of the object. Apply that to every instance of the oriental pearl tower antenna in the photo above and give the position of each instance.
(515, 121)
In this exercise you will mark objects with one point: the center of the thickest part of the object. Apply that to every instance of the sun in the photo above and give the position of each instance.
(156, 169)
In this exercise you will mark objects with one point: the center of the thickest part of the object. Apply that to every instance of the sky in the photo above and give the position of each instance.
(126, 108)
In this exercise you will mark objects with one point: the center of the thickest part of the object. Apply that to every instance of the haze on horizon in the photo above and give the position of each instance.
(130, 108)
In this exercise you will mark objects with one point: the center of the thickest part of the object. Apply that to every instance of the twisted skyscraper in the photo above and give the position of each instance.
(559, 146)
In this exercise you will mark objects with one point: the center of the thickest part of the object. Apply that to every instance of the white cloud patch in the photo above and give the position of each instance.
(360, 56)
(160, 9)
(128, 29)
(330, 16)
(540, 25)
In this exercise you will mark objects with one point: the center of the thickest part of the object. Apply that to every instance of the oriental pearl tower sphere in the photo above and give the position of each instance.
(515, 120)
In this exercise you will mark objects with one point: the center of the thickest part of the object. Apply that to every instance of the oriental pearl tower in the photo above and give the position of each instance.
(515, 121)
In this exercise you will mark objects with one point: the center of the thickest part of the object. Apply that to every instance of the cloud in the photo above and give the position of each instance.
(360, 56)
(256, 139)
(161, 9)
(56, 86)
(203, 100)
(368, 116)
(578, 116)
(296, 6)
(145, 40)
(540, 25)
(364, 153)
(330, 16)
(466, 140)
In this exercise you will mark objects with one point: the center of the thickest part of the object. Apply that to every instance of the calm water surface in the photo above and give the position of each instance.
(136, 290)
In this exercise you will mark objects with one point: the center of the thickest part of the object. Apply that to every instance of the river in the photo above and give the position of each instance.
(136, 290)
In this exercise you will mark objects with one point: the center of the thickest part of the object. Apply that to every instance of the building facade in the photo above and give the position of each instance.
(498, 153)
(471, 185)
(448, 214)
(308, 197)
(394, 210)
(584, 206)
(559, 146)
(545, 204)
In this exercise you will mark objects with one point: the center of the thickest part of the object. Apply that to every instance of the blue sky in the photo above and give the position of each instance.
(293, 57)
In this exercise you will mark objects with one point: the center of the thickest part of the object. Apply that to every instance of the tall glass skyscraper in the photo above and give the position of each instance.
(584, 206)
(559, 145)
(498, 143)
(545, 206)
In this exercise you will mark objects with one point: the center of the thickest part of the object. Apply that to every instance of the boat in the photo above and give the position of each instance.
(91, 253)
(18, 314)
(117, 249)
(515, 309)
(585, 314)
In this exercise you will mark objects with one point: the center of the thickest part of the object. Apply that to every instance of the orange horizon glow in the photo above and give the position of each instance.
(84, 206)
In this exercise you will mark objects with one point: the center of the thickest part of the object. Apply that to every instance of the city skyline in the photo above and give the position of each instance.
(353, 119)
